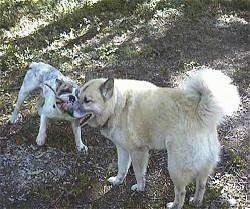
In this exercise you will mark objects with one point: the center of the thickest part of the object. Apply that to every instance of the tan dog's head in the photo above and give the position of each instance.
(95, 102)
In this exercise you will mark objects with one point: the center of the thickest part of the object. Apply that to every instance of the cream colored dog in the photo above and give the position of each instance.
(138, 116)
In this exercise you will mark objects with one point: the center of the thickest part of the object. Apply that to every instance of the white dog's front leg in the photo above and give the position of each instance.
(140, 163)
(78, 139)
(124, 162)
(40, 139)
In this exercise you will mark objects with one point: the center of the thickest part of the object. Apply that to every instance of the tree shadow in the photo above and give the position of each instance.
(101, 11)
(184, 45)
(12, 11)
(144, 56)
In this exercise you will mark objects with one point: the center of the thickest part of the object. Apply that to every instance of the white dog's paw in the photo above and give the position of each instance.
(172, 205)
(137, 187)
(114, 181)
(82, 148)
(13, 119)
(40, 141)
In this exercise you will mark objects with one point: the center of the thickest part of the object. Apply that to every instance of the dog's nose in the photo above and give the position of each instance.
(71, 98)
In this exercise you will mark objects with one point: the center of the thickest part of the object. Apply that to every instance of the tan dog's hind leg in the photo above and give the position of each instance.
(180, 193)
(199, 191)
(201, 181)
(181, 178)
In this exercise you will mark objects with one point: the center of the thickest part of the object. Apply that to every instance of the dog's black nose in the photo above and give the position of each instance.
(71, 98)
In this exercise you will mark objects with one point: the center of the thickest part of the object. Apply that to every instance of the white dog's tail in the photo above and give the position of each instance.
(218, 97)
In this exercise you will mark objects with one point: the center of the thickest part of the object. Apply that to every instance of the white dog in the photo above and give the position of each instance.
(138, 116)
(59, 95)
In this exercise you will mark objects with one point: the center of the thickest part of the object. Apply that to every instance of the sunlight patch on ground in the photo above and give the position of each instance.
(25, 27)
(232, 188)
(28, 24)
(159, 20)
(98, 51)
(64, 38)
(225, 21)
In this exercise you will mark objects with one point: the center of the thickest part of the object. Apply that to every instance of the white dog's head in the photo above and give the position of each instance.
(66, 94)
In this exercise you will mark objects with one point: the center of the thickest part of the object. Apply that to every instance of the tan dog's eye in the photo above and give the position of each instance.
(87, 100)
(77, 93)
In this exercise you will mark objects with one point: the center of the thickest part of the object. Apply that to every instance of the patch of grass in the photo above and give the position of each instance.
(129, 52)
(194, 9)
(190, 65)
(83, 181)
(164, 72)
(237, 160)
(150, 50)
(60, 135)
(79, 37)
(44, 192)
(242, 75)
(145, 11)
(236, 4)
(107, 51)
(12, 11)
(9, 57)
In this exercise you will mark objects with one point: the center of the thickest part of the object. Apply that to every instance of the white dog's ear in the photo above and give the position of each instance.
(107, 89)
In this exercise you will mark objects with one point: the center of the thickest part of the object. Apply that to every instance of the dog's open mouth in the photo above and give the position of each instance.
(85, 119)
(65, 107)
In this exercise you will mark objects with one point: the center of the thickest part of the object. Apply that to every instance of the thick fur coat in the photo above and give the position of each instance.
(138, 116)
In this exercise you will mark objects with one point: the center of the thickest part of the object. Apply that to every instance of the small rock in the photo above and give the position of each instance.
(33, 147)
(37, 172)
(40, 155)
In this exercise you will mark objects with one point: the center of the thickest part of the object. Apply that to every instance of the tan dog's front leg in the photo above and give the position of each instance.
(78, 139)
(140, 163)
(124, 162)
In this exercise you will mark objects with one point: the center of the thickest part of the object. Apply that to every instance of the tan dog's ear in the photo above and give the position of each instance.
(58, 83)
(107, 88)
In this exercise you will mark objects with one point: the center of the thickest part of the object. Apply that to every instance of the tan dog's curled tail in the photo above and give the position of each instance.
(218, 96)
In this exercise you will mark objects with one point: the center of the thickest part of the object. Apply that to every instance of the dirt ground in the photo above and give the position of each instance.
(157, 41)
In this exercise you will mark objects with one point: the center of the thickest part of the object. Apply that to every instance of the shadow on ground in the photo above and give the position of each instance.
(121, 39)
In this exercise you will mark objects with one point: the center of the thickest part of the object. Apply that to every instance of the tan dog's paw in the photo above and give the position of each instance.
(40, 141)
(172, 205)
(191, 200)
(82, 148)
(114, 181)
(137, 187)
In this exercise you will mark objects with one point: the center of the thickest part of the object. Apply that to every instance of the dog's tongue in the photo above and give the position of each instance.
(64, 106)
